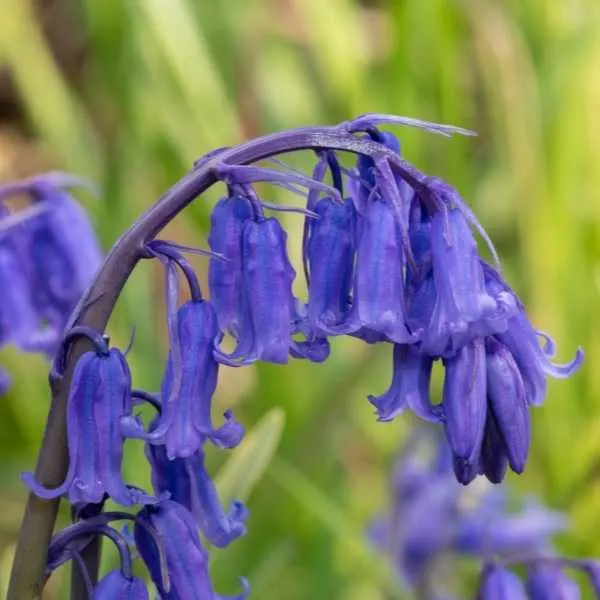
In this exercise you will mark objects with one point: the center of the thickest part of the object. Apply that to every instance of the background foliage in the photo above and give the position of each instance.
(157, 83)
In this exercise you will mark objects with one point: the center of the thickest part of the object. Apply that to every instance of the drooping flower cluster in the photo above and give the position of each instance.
(393, 262)
(48, 256)
(433, 521)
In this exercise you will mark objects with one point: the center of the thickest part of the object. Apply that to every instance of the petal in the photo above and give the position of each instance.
(464, 401)
(267, 279)
(189, 384)
(115, 586)
(409, 388)
(379, 279)
(508, 403)
(493, 452)
(330, 258)
(225, 277)
(548, 582)
(187, 559)
(501, 584)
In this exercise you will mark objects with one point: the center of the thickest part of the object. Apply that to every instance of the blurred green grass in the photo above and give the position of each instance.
(167, 80)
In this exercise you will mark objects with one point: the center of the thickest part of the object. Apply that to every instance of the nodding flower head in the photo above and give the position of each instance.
(99, 398)
(186, 557)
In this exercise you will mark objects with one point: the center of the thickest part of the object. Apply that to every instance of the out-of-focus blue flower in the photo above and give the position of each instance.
(50, 254)
(189, 484)
(549, 582)
(187, 559)
(63, 251)
(433, 519)
(499, 583)
(99, 397)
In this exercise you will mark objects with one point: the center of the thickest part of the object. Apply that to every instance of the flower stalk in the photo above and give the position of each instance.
(95, 307)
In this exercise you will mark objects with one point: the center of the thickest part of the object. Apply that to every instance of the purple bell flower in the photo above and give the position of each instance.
(549, 582)
(456, 294)
(115, 586)
(228, 218)
(268, 304)
(188, 386)
(99, 398)
(187, 559)
(499, 583)
(508, 404)
(409, 387)
(62, 249)
(465, 407)
(189, 484)
(330, 258)
(378, 309)
(19, 321)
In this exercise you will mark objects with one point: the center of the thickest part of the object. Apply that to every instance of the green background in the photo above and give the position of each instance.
(160, 82)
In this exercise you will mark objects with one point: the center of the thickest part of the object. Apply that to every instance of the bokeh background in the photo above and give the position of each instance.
(130, 93)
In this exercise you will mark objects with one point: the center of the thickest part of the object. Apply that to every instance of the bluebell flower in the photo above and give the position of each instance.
(498, 583)
(549, 582)
(115, 586)
(508, 408)
(55, 255)
(330, 251)
(409, 387)
(188, 483)
(433, 519)
(490, 528)
(187, 559)
(63, 251)
(19, 320)
(188, 385)
(228, 218)
(465, 406)
(453, 302)
(99, 398)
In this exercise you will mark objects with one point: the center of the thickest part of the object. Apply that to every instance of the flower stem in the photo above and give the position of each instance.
(95, 307)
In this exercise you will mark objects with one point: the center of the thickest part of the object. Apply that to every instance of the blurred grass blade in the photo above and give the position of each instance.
(172, 25)
(251, 458)
(56, 114)
(316, 502)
